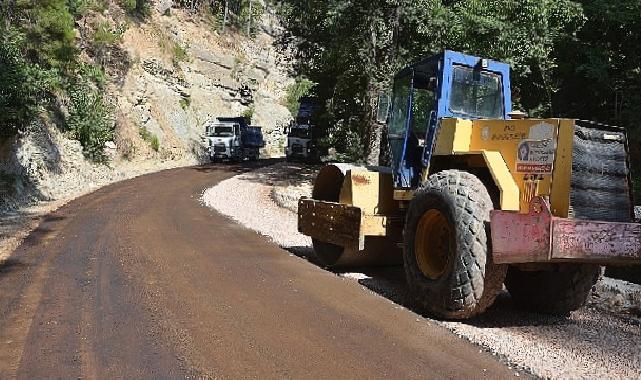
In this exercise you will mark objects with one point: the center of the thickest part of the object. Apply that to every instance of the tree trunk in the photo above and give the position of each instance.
(249, 19)
(381, 58)
(373, 128)
(225, 13)
(10, 5)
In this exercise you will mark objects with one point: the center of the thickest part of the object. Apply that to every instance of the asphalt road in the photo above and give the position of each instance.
(139, 280)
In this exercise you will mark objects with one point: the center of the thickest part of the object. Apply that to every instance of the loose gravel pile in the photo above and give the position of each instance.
(246, 198)
(601, 340)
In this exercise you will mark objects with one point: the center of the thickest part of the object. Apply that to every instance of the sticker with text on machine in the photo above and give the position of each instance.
(535, 157)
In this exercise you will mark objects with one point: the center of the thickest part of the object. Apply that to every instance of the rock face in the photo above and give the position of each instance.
(172, 97)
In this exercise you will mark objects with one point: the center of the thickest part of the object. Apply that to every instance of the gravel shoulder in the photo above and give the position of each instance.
(601, 340)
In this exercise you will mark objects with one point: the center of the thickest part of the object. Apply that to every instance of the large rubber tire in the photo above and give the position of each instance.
(469, 281)
(599, 191)
(552, 292)
(600, 188)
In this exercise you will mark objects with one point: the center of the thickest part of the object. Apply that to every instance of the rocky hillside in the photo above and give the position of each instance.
(184, 73)
(167, 74)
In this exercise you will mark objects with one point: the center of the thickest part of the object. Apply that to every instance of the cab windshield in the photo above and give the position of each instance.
(476, 94)
(301, 133)
(223, 131)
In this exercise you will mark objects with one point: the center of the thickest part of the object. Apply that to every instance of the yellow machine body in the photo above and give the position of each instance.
(494, 144)
(353, 209)
(358, 211)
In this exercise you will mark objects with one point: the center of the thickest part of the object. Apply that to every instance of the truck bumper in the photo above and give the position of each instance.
(541, 237)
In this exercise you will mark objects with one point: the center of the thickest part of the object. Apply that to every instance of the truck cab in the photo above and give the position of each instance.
(303, 134)
(299, 142)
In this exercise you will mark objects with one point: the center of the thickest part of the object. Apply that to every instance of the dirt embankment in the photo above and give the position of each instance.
(600, 340)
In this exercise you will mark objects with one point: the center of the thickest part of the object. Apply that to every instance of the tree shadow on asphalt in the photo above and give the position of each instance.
(37, 236)
(235, 167)
(12, 265)
(288, 174)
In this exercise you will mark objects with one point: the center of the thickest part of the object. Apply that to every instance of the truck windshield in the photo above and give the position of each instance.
(301, 133)
(476, 94)
(226, 131)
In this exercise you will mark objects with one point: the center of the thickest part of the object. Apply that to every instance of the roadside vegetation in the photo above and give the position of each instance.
(248, 114)
(42, 73)
(149, 137)
(295, 91)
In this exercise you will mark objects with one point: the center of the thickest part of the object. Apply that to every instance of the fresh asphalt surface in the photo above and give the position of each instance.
(139, 280)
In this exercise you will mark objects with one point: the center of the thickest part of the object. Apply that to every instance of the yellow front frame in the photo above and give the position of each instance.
(493, 144)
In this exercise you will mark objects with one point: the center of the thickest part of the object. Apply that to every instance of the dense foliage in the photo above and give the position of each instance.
(89, 118)
(295, 91)
(22, 85)
(569, 58)
(41, 71)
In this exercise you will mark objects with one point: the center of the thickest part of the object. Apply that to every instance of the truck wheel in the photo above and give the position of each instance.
(552, 292)
(447, 257)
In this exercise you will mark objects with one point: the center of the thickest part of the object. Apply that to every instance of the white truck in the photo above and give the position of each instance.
(299, 143)
(230, 138)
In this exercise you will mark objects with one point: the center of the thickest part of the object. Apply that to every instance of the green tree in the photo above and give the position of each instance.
(349, 48)
(23, 85)
(600, 69)
(50, 35)
(301, 87)
(526, 34)
(138, 8)
(353, 48)
(90, 119)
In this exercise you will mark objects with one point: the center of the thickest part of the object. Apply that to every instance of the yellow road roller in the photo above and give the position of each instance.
(478, 197)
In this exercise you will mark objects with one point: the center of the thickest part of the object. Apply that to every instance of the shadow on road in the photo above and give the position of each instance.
(389, 282)
(235, 167)
(288, 174)
(12, 265)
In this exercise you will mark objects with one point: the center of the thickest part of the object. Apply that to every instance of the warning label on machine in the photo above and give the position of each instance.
(535, 157)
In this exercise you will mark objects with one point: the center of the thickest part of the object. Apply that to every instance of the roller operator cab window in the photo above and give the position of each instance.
(400, 106)
(476, 94)
(424, 102)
